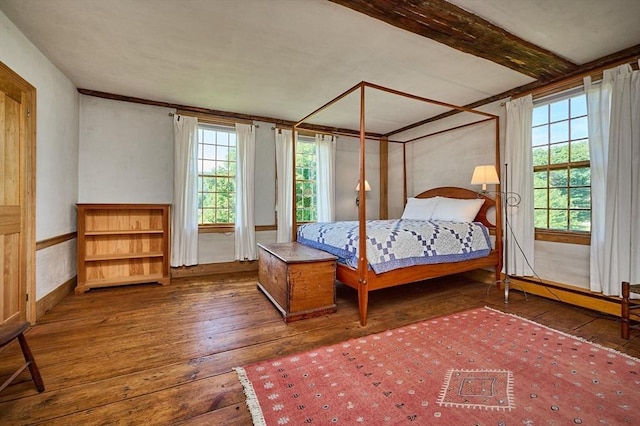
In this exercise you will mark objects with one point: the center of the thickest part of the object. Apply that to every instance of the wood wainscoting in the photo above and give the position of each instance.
(54, 297)
(215, 269)
(572, 295)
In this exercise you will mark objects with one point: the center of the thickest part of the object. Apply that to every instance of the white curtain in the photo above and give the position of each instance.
(184, 215)
(598, 108)
(325, 177)
(245, 231)
(284, 171)
(518, 178)
(614, 138)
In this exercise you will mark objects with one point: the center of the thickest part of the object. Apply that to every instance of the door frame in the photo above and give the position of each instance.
(27, 191)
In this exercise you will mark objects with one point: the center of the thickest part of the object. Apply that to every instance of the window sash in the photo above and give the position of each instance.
(217, 185)
(559, 137)
(306, 196)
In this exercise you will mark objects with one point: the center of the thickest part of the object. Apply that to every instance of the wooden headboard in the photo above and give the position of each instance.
(454, 192)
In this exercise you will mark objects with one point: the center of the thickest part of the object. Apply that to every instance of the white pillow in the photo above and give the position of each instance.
(419, 208)
(457, 209)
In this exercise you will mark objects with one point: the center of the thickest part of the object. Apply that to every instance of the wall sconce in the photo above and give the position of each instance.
(367, 188)
(485, 175)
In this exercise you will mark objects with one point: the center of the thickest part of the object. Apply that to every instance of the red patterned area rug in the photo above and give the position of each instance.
(479, 367)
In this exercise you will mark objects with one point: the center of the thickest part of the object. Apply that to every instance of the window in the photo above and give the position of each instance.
(561, 173)
(306, 196)
(216, 174)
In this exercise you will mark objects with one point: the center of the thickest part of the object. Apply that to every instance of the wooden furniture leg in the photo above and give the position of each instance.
(625, 311)
(627, 307)
(363, 302)
(10, 332)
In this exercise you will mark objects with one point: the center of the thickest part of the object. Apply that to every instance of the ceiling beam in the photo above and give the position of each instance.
(453, 26)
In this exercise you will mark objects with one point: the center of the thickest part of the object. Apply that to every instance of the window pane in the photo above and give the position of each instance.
(558, 198)
(579, 128)
(540, 179)
(208, 216)
(580, 150)
(540, 198)
(558, 219)
(208, 184)
(559, 110)
(540, 115)
(559, 132)
(207, 166)
(580, 198)
(208, 137)
(207, 151)
(222, 152)
(540, 135)
(580, 220)
(541, 156)
(559, 153)
(579, 106)
(580, 177)
(540, 219)
(558, 178)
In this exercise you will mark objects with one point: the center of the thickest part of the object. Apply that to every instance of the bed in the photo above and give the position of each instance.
(357, 271)
(390, 273)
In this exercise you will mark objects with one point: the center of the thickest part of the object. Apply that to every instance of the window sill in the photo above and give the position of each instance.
(582, 238)
(225, 229)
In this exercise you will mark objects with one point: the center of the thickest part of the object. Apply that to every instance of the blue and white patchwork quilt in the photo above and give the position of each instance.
(393, 244)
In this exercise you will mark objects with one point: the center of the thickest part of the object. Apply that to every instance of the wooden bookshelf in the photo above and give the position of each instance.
(120, 244)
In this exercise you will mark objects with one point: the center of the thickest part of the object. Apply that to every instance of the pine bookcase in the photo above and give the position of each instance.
(121, 244)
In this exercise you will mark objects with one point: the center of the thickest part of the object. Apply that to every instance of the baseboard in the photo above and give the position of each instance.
(54, 297)
(214, 268)
(562, 292)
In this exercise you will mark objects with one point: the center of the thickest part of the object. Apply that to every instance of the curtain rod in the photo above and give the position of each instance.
(214, 119)
(307, 132)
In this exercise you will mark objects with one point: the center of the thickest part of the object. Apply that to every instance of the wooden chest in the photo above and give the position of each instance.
(299, 280)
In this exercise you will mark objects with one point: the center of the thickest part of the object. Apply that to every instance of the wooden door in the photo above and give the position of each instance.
(17, 194)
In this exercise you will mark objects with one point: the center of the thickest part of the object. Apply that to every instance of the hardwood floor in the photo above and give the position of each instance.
(164, 355)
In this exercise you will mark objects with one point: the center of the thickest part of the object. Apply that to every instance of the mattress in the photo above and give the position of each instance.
(393, 244)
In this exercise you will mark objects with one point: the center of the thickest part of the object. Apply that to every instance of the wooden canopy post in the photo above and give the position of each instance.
(363, 266)
(499, 225)
(404, 172)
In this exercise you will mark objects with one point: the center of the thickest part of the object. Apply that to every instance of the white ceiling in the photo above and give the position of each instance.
(284, 58)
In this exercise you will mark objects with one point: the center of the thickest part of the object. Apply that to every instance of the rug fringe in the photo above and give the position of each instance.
(581, 339)
(252, 400)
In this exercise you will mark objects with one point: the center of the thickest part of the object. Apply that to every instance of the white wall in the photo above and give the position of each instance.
(57, 153)
(126, 152)
(445, 159)
(347, 174)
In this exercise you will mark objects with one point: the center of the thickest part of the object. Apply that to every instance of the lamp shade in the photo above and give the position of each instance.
(483, 175)
(367, 187)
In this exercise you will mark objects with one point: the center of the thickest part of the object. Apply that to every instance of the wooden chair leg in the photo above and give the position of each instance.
(625, 311)
(31, 362)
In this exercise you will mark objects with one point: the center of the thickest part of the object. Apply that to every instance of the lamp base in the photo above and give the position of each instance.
(507, 287)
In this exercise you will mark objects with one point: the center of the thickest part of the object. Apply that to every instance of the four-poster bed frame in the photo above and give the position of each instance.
(362, 278)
